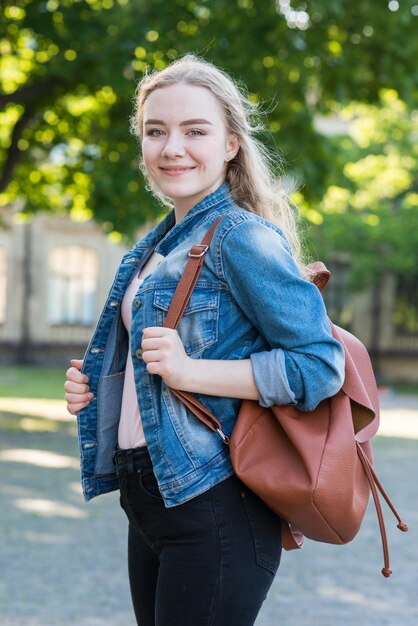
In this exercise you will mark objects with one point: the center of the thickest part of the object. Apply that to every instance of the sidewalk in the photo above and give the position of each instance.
(63, 562)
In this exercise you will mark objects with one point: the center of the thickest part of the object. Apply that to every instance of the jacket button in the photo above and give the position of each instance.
(138, 353)
(137, 303)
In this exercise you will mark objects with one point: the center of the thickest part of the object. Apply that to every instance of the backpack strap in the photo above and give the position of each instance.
(318, 274)
(188, 279)
(178, 304)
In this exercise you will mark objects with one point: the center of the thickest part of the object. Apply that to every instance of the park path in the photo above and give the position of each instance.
(63, 562)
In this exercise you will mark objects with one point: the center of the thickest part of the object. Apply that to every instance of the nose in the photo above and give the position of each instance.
(174, 146)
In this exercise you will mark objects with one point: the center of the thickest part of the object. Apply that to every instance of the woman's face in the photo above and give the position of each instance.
(185, 144)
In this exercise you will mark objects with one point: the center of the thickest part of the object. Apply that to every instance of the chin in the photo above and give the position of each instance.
(179, 191)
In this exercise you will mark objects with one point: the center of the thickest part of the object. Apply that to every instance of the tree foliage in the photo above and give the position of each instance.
(370, 207)
(68, 71)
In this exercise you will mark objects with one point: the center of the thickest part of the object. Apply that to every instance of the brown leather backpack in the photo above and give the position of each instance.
(313, 468)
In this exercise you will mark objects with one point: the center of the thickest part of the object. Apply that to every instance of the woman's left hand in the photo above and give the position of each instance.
(164, 354)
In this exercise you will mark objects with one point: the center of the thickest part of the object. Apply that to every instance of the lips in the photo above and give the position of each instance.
(176, 169)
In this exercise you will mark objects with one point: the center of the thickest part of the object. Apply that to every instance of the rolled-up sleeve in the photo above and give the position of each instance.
(304, 364)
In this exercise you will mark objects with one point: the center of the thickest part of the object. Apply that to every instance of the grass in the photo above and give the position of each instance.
(406, 388)
(32, 399)
(47, 383)
(32, 382)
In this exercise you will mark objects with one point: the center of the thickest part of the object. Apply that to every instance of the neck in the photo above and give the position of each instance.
(183, 205)
(181, 210)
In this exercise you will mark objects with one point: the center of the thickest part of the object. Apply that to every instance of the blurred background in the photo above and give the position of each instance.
(337, 84)
(338, 88)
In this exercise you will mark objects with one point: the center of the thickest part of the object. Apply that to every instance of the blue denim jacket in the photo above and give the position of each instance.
(249, 302)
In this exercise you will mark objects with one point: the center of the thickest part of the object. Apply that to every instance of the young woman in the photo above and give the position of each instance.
(202, 549)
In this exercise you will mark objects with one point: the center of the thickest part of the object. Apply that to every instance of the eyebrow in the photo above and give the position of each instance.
(185, 123)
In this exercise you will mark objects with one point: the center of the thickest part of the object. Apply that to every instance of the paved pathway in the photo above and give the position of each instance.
(62, 562)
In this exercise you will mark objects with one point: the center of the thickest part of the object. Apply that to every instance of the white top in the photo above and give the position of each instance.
(131, 434)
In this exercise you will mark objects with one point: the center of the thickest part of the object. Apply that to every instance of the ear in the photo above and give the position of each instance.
(232, 147)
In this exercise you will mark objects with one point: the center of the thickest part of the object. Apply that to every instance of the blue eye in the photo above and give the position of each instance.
(196, 132)
(154, 132)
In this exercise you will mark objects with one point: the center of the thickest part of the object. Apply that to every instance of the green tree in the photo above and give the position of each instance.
(370, 207)
(68, 70)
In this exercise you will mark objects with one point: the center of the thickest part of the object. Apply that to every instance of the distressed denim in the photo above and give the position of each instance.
(250, 302)
(207, 562)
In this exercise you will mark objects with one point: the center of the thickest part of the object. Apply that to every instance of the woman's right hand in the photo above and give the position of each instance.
(78, 394)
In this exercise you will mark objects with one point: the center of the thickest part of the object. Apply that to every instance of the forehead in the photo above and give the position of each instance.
(181, 102)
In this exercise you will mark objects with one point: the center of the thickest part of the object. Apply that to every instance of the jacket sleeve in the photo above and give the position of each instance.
(305, 363)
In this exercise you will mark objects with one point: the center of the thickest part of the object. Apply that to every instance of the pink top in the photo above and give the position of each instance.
(131, 434)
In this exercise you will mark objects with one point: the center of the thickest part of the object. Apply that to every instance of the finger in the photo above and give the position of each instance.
(76, 376)
(74, 408)
(76, 398)
(151, 356)
(155, 331)
(153, 368)
(151, 344)
(77, 363)
(168, 338)
(73, 387)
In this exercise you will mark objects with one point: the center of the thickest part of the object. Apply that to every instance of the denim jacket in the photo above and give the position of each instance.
(249, 302)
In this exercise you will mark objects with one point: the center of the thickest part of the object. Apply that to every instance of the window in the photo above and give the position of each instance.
(3, 284)
(72, 285)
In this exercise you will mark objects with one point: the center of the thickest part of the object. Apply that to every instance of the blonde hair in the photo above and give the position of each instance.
(249, 174)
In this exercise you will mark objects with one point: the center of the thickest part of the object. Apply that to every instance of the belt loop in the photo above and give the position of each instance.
(130, 461)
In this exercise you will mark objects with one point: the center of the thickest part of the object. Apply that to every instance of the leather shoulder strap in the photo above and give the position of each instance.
(178, 303)
(319, 274)
(188, 280)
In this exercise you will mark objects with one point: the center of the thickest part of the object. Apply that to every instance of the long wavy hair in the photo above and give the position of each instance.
(250, 175)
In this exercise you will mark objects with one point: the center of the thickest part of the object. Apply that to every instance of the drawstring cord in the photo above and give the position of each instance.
(376, 485)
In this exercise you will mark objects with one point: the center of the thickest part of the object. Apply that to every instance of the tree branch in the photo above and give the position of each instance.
(30, 92)
(33, 94)
(13, 153)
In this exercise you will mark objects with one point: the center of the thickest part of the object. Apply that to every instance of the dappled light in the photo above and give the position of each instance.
(38, 425)
(49, 508)
(75, 487)
(398, 421)
(334, 89)
(37, 407)
(347, 596)
(40, 458)
(367, 205)
(46, 538)
(68, 72)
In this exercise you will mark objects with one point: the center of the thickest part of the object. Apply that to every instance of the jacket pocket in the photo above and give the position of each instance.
(198, 327)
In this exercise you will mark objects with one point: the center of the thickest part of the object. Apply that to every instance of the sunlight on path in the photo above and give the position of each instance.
(41, 458)
(399, 422)
(49, 508)
(37, 407)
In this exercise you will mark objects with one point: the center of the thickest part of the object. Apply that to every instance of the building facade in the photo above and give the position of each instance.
(55, 274)
(54, 277)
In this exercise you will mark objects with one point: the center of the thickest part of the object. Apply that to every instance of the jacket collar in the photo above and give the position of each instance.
(167, 234)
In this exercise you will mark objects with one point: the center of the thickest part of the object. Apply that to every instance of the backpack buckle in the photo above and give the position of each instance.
(196, 255)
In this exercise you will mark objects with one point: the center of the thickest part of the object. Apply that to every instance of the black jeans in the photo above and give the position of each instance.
(207, 562)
